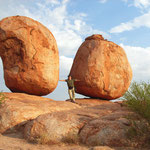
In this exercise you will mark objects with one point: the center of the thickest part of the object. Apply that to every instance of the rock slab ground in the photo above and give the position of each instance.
(102, 68)
(89, 125)
(30, 56)
(27, 121)
(19, 108)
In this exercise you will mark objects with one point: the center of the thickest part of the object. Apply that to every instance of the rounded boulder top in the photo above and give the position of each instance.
(95, 37)
(30, 56)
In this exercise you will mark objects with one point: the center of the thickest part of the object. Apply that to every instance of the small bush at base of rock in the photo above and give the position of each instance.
(137, 98)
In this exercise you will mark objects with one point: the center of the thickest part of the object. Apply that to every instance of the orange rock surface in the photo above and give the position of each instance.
(18, 108)
(90, 122)
(103, 123)
(102, 68)
(30, 56)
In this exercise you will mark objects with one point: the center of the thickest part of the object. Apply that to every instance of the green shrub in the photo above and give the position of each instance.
(2, 98)
(138, 99)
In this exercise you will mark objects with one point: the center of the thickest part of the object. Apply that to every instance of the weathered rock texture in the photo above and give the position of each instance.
(91, 122)
(102, 68)
(18, 108)
(30, 56)
(102, 124)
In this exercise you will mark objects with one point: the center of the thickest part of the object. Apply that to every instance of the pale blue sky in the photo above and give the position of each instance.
(125, 22)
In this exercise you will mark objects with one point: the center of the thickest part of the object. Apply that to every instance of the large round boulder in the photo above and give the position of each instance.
(102, 68)
(30, 56)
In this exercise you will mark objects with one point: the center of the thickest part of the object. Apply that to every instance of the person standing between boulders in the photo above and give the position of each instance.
(71, 87)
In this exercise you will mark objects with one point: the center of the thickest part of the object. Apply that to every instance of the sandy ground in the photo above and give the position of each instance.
(15, 141)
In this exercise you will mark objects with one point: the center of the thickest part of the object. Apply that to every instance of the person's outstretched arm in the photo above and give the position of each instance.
(63, 80)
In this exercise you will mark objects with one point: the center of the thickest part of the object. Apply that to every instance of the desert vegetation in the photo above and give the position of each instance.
(137, 98)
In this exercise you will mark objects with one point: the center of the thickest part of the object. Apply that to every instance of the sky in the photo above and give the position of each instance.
(124, 22)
